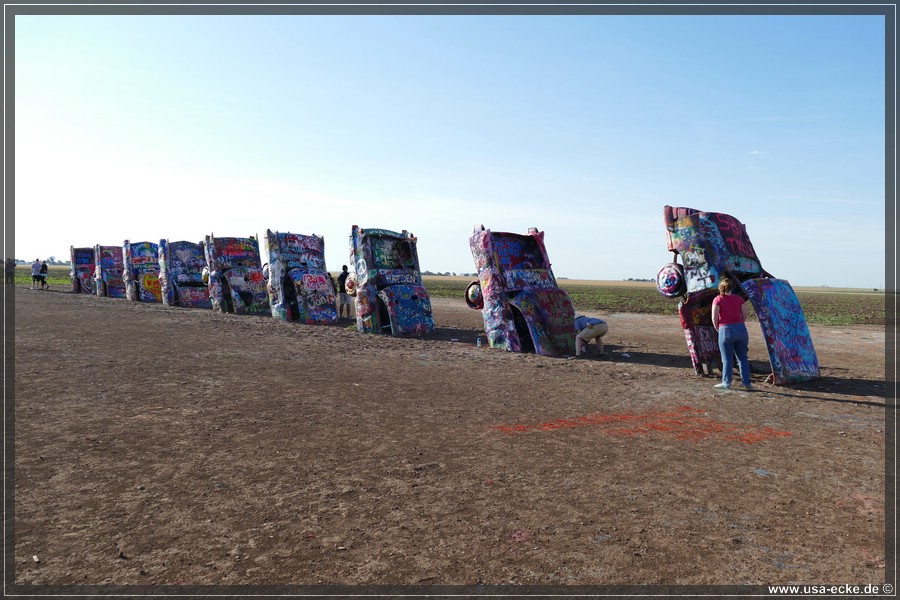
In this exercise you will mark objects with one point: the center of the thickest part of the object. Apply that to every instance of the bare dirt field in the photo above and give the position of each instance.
(158, 445)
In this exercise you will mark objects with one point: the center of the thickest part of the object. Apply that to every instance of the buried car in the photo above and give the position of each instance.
(390, 297)
(300, 287)
(108, 271)
(141, 270)
(524, 309)
(82, 270)
(714, 246)
(181, 267)
(236, 280)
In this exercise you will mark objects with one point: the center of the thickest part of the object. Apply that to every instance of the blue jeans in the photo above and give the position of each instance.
(734, 340)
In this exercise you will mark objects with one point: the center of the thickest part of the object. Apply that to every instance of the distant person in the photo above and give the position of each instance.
(35, 273)
(729, 315)
(343, 296)
(43, 273)
(10, 271)
(587, 329)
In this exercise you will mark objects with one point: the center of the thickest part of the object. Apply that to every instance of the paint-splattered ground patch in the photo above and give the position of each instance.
(685, 423)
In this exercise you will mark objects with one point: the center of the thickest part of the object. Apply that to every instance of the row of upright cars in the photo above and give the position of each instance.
(227, 274)
(523, 307)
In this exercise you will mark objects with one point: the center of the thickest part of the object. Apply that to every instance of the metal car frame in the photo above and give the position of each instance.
(109, 271)
(714, 246)
(141, 271)
(82, 269)
(390, 297)
(181, 267)
(299, 286)
(524, 309)
(236, 280)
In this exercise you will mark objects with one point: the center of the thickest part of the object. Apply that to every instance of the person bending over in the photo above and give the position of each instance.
(587, 329)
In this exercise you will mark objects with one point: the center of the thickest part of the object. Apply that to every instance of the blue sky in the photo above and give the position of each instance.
(149, 127)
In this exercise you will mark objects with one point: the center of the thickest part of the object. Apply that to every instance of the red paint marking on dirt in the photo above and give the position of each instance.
(685, 423)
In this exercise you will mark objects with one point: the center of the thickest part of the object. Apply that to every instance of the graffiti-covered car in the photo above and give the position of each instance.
(81, 271)
(300, 287)
(389, 295)
(109, 271)
(141, 271)
(236, 280)
(181, 267)
(713, 246)
(524, 309)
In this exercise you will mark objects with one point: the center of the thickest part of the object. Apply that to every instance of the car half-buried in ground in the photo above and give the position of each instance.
(236, 280)
(390, 297)
(714, 246)
(524, 309)
(109, 271)
(141, 270)
(181, 268)
(300, 287)
(82, 270)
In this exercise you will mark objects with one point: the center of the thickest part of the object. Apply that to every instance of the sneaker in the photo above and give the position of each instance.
(722, 386)
(749, 388)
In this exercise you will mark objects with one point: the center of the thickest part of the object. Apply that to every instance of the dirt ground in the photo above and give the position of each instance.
(158, 445)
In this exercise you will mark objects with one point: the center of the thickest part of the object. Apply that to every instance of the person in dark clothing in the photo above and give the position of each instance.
(343, 296)
(10, 271)
(43, 272)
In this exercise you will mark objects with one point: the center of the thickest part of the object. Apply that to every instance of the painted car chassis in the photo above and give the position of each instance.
(524, 309)
(299, 287)
(236, 281)
(181, 266)
(108, 271)
(389, 295)
(713, 246)
(82, 270)
(141, 270)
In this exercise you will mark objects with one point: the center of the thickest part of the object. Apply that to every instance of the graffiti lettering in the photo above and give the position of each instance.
(319, 299)
(517, 252)
(519, 279)
(298, 243)
(398, 276)
(733, 234)
(109, 256)
(315, 282)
